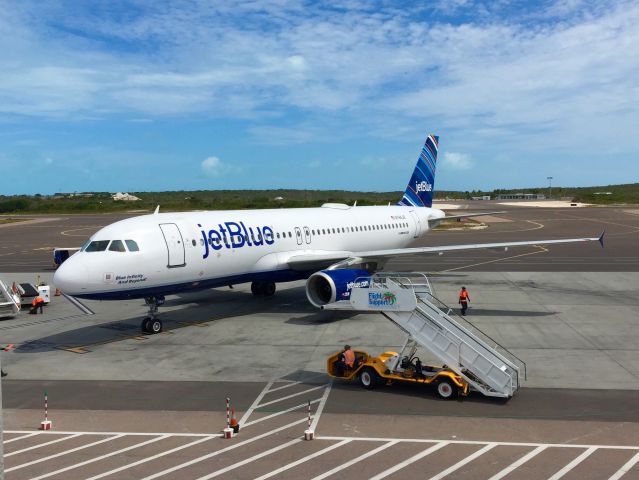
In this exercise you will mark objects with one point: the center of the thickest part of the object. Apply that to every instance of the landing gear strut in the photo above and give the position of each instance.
(263, 288)
(151, 323)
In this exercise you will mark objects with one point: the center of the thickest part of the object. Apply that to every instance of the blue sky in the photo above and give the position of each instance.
(146, 95)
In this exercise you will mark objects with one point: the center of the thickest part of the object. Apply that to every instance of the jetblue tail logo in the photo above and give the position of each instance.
(419, 192)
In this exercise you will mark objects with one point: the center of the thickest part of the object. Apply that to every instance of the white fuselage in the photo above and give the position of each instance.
(195, 250)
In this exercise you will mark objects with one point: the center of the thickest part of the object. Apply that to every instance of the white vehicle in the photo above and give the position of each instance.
(160, 254)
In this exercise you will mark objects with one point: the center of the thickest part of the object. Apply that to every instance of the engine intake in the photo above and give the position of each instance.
(329, 286)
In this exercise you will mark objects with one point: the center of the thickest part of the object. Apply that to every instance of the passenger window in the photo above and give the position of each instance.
(117, 246)
(97, 246)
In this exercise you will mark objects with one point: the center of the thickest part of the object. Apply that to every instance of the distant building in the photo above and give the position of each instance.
(521, 196)
(124, 197)
(602, 193)
(482, 197)
(279, 199)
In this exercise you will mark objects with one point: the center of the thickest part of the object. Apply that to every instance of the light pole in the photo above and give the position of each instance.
(549, 187)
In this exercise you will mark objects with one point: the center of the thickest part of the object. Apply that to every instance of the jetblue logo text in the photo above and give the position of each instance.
(424, 187)
(235, 235)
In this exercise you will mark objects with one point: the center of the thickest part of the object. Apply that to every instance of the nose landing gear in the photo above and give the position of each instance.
(151, 323)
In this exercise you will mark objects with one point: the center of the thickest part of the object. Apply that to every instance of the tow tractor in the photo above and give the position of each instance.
(392, 367)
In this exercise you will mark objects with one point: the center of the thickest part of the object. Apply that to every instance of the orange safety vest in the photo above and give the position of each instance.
(463, 296)
(349, 358)
(36, 301)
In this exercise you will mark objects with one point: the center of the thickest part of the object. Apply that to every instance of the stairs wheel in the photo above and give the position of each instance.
(446, 389)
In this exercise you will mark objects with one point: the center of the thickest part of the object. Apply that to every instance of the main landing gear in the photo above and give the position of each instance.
(151, 323)
(263, 288)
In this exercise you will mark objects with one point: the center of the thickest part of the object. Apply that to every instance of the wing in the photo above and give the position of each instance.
(468, 215)
(334, 260)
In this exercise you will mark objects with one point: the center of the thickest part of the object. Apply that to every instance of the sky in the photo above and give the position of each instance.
(186, 95)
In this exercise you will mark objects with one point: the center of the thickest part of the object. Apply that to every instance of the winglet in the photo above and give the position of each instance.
(157, 210)
(601, 238)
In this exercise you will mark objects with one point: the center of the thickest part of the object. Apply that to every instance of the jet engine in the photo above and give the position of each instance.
(328, 286)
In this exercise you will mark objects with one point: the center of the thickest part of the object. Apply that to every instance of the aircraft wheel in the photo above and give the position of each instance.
(257, 288)
(446, 389)
(145, 325)
(268, 289)
(368, 378)
(155, 325)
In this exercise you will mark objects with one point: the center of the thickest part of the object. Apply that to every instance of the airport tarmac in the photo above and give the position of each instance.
(569, 312)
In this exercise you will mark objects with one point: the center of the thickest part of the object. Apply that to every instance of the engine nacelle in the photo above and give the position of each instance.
(328, 286)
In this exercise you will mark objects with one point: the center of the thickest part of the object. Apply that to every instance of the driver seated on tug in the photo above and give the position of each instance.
(345, 361)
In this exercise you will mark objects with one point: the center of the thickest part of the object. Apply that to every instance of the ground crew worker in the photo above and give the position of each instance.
(6, 348)
(464, 298)
(345, 360)
(38, 302)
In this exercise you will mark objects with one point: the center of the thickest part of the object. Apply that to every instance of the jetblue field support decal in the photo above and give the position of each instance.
(235, 235)
(419, 192)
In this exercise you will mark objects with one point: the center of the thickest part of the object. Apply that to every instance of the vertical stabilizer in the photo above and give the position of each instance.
(419, 192)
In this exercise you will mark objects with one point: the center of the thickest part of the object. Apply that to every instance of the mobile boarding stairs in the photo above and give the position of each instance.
(9, 303)
(407, 300)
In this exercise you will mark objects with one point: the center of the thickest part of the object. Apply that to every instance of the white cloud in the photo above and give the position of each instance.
(456, 161)
(213, 167)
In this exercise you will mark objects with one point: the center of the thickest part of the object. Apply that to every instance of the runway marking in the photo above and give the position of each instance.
(626, 468)
(255, 403)
(20, 437)
(67, 234)
(291, 396)
(266, 453)
(283, 387)
(541, 250)
(42, 445)
(356, 460)
(320, 408)
(463, 462)
(153, 457)
(102, 457)
(410, 460)
(573, 464)
(66, 452)
(79, 350)
(515, 465)
(224, 450)
(268, 417)
(302, 460)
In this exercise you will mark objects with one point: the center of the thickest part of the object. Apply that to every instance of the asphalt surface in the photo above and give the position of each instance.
(27, 246)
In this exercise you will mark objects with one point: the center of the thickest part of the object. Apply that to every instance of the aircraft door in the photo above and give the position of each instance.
(307, 234)
(418, 224)
(174, 245)
(298, 235)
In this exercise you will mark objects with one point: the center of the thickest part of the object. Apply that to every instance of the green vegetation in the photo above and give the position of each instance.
(243, 199)
(4, 221)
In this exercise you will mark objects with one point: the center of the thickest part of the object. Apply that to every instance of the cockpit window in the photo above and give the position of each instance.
(132, 245)
(117, 246)
(97, 246)
(84, 247)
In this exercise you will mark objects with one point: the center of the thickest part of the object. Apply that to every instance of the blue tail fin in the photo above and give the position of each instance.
(419, 192)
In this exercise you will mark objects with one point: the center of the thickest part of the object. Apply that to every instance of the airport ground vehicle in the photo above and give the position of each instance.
(390, 367)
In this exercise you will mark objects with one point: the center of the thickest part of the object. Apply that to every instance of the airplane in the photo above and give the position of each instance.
(331, 246)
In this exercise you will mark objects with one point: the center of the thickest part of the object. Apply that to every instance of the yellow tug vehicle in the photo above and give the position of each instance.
(389, 368)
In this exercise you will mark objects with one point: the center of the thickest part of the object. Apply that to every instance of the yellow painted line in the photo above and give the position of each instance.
(74, 349)
(541, 250)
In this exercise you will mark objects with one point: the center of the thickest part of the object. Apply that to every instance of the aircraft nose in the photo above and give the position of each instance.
(71, 277)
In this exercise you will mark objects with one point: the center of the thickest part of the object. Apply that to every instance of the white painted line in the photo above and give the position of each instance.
(320, 407)
(515, 465)
(255, 403)
(140, 434)
(20, 437)
(97, 459)
(408, 461)
(66, 452)
(466, 460)
(290, 396)
(41, 445)
(626, 468)
(302, 460)
(224, 450)
(292, 384)
(148, 459)
(356, 460)
(573, 464)
(268, 417)
(222, 471)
